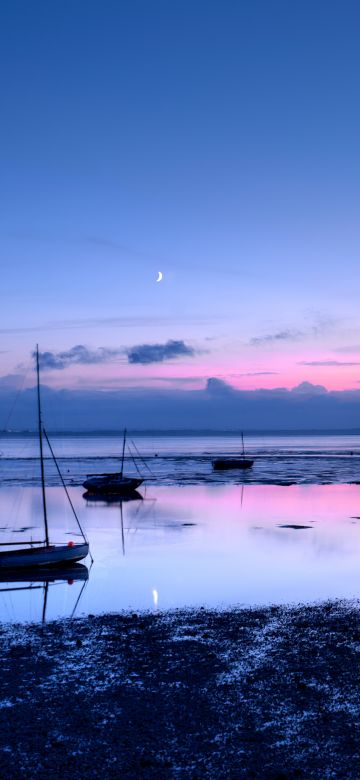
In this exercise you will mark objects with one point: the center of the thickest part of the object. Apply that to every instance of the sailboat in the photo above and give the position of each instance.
(114, 483)
(42, 552)
(242, 462)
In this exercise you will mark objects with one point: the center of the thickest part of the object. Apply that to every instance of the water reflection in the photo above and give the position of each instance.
(112, 498)
(207, 545)
(16, 582)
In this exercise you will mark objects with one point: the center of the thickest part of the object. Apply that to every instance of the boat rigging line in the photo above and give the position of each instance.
(142, 459)
(66, 490)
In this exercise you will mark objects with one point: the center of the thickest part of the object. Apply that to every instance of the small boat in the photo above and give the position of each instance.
(242, 463)
(114, 483)
(43, 553)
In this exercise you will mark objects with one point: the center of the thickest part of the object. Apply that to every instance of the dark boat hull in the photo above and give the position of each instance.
(222, 464)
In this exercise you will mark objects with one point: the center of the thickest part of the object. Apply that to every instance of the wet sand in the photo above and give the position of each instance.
(253, 693)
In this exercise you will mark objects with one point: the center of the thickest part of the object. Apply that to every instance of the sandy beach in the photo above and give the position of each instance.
(256, 693)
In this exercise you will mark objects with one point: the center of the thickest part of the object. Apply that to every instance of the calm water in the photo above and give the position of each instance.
(191, 546)
(187, 459)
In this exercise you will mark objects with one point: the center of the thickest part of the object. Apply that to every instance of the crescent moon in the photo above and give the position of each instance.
(160, 276)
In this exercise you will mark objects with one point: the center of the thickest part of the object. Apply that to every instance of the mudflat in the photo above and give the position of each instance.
(246, 693)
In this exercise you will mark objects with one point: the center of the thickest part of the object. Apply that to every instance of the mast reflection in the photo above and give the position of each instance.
(114, 499)
(43, 579)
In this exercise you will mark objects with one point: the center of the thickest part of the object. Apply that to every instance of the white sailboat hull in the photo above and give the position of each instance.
(53, 555)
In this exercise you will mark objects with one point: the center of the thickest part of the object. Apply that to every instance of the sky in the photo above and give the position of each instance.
(215, 141)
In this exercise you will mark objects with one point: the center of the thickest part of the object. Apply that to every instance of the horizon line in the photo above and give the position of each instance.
(184, 431)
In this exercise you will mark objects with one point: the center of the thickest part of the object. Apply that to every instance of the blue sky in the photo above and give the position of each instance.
(215, 141)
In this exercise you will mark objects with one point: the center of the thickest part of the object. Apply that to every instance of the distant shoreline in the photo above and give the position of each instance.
(194, 432)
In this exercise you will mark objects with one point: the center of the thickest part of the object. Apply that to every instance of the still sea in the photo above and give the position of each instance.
(289, 531)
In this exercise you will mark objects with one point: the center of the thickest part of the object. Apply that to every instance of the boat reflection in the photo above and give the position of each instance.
(116, 500)
(112, 498)
(69, 574)
(43, 579)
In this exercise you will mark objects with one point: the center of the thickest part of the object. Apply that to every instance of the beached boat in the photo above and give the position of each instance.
(42, 553)
(114, 483)
(242, 462)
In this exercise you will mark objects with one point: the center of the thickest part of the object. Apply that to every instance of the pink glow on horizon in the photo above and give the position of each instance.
(195, 376)
(242, 368)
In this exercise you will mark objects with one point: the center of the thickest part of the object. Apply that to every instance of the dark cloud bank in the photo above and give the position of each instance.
(142, 354)
(217, 407)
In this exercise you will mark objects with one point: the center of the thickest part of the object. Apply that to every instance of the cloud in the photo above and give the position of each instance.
(255, 373)
(157, 353)
(349, 349)
(320, 324)
(281, 335)
(78, 355)
(143, 381)
(181, 264)
(11, 381)
(307, 388)
(108, 243)
(328, 363)
(115, 322)
(142, 354)
(218, 387)
(217, 406)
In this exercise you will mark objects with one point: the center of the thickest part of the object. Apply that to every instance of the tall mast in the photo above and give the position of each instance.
(123, 452)
(41, 447)
(243, 448)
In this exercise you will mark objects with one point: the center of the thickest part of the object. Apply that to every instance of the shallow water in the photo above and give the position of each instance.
(184, 459)
(214, 546)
